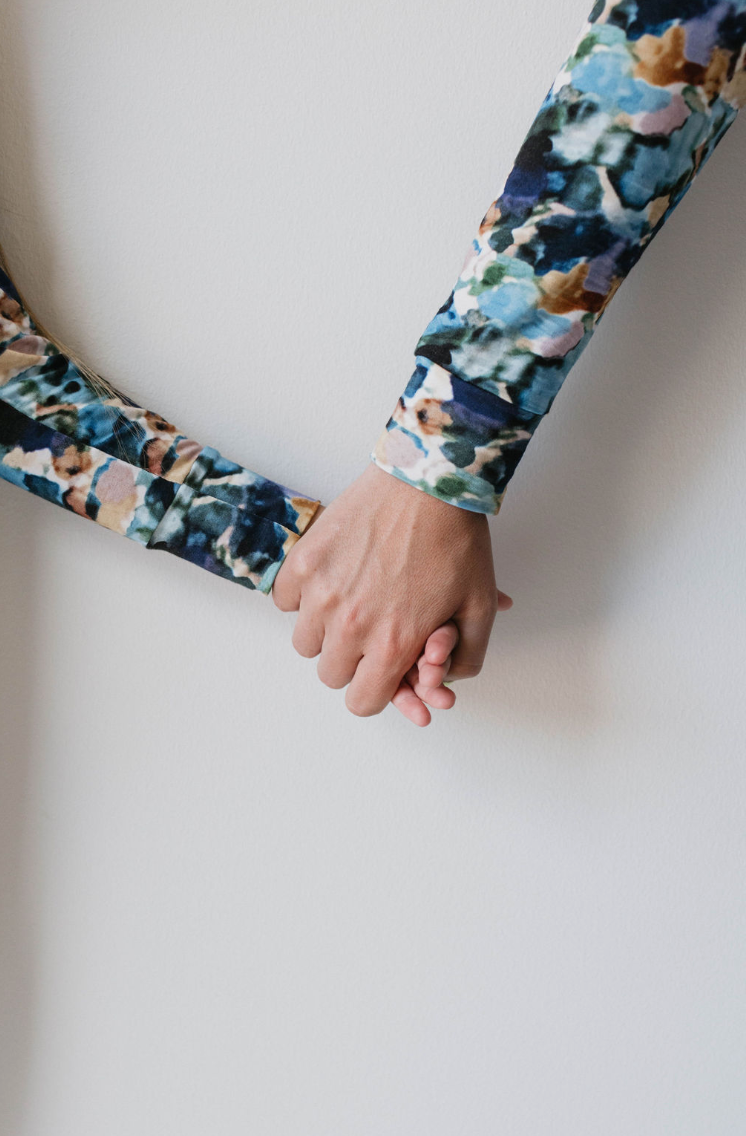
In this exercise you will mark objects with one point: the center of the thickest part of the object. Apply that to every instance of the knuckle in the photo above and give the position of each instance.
(353, 619)
(485, 605)
(391, 647)
(325, 597)
(299, 559)
(388, 655)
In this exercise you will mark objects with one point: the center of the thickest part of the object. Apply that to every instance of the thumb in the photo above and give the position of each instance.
(286, 589)
(474, 626)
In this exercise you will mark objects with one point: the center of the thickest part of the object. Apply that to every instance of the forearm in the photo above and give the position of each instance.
(637, 108)
(94, 452)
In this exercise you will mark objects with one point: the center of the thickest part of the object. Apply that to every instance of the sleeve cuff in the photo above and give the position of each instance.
(232, 522)
(222, 517)
(454, 440)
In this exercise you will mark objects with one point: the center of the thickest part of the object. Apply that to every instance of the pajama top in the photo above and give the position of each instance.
(68, 439)
(647, 91)
(645, 94)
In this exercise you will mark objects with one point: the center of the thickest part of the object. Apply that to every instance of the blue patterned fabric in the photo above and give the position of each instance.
(646, 93)
(75, 442)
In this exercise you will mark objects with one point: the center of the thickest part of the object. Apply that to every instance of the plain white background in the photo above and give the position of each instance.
(229, 906)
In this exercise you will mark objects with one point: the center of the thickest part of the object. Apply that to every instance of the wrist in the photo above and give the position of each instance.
(410, 500)
(420, 497)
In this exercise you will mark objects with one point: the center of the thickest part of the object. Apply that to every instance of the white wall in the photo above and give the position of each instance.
(229, 906)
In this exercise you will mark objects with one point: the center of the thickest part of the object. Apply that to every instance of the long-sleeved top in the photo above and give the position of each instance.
(69, 439)
(645, 94)
(647, 91)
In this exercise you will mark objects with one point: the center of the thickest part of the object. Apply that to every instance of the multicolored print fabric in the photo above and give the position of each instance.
(101, 456)
(648, 90)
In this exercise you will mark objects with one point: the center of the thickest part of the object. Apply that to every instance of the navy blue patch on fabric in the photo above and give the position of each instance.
(8, 286)
(497, 411)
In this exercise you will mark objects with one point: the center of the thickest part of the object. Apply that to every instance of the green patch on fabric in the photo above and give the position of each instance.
(449, 485)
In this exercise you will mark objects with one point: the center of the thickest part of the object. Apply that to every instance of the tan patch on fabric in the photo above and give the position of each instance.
(305, 507)
(430, 415)
(33, 461)
(490, 219)
(158, 424)
(734, 92)
(564, 292)
(10, 309)
(657, 208)
(72, 463)
(662, 59)
(716, 73)
(76, 498)
(188, 452)
(153, 453)
(42, 412)
(13, 362)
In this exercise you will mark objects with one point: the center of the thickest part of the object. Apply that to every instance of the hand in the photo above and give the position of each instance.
(423, 683)
(383, 567)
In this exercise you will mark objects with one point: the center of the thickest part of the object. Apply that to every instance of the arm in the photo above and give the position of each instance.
(648, 90)
(69, 438)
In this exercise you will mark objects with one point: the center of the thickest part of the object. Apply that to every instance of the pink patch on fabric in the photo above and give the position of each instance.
(401, 450)
(548, 348)
(664, 121)
(30, 345)
(116, 483)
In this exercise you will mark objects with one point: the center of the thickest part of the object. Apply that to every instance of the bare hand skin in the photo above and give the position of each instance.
(380, 570)
(413, 692)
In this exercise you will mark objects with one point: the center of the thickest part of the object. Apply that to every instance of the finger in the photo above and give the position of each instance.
(308, 633)
(440, 697)
(440, 644)
(474, 627)
(376, 680)
(431, 676)
(339, 659)
(412, 707)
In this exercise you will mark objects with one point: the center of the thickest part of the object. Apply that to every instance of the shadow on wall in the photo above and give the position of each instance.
(27, 241)
(638, 420)
(19, 644)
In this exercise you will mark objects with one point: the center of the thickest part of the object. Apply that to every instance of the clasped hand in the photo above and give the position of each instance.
(395, 591)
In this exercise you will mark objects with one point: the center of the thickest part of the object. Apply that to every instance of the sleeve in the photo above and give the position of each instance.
(648, 90)
(72, 440)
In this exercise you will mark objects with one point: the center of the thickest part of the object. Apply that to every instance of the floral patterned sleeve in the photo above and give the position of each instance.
(72, 442)
(648, 90)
